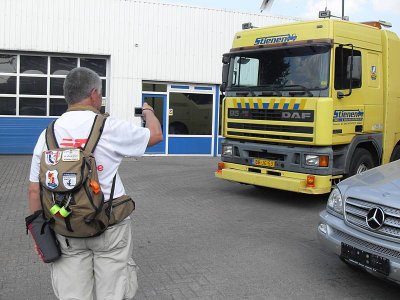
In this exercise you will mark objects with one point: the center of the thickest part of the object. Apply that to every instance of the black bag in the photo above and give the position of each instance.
(44, 237)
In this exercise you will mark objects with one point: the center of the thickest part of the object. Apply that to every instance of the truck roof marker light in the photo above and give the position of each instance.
(220, 166)
(310, 181)
(324, 161)
(378, 24)
(373, 24)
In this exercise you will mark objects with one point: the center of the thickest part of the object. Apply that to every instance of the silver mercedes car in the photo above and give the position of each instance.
(361, 222)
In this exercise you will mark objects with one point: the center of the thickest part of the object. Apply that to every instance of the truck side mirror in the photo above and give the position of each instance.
(225, 72)
(353, 70)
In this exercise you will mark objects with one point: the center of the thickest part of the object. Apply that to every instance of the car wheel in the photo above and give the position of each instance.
(396, 153)
(362, 161)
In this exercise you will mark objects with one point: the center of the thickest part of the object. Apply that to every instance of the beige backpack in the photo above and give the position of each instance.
(70, 192)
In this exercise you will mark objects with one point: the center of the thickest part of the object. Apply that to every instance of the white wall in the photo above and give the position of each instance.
(145, 40)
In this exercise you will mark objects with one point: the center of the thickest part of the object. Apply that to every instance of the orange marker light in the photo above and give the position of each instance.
(324, 161)
(220, 166)
(310, 181)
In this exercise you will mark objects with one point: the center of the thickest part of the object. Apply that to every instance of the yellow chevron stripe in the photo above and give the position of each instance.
(251, 103)
(271, 104)
(292, 103)
(235, 103)
(302, 103)
(260, 103)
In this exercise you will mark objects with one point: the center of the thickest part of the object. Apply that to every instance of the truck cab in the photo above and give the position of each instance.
(309, 103)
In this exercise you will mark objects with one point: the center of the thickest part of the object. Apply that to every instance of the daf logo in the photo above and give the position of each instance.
(295, 115)
(375, 218)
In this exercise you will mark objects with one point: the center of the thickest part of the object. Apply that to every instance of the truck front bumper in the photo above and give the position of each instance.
(333, 231)
(283, 180)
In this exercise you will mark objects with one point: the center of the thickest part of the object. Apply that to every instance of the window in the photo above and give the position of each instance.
(281, 71)
(8, 63)
(154, 87)
(342, 68)
(62, 65)
(245, 71)
(190, 113)
(32, 85)
(33, 64)
(7, 105)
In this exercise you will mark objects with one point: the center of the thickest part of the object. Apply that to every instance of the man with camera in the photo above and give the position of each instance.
(100, 265)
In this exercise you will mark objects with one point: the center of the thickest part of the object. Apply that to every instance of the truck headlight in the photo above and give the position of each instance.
(227, 150)
(317, 160)
(335, 202)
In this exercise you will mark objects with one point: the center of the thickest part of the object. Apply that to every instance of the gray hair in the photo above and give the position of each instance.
(79, 83)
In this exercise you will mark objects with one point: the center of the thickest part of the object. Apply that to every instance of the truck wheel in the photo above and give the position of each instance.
(396, 153)
(362, 161)
(177, 128)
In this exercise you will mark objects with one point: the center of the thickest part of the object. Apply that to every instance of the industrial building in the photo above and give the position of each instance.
(166, 54)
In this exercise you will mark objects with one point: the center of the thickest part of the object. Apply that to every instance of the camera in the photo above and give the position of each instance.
(138, 111)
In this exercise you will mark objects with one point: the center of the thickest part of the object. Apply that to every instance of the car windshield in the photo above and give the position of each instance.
(301, 69)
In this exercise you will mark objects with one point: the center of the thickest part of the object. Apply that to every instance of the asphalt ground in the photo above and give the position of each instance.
(197, 237)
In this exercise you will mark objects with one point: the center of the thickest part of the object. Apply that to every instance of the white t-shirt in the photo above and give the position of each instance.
(119, 139)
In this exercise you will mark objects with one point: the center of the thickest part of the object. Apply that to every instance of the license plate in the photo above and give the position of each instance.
(367, 260)
(264, 163)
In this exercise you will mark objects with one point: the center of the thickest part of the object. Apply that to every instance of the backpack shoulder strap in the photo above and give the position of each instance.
(95, 133)
(51, 140)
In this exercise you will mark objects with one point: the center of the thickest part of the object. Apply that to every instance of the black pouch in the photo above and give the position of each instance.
(44, 237)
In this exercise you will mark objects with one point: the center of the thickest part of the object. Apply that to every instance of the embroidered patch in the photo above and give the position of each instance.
(52, 179)
(52, 157)
(71, 155)
(69, 180)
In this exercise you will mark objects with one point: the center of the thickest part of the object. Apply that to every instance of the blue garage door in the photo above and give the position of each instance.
(31, 94)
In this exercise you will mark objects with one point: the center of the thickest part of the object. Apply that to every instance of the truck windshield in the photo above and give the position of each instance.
(283, 72)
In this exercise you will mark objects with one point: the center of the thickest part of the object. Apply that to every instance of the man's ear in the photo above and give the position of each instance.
(93, 94)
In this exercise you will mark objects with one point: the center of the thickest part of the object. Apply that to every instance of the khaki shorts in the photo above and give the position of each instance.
(100, 266)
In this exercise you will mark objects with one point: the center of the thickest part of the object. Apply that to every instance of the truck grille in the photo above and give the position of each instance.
(356, 212)
(245, 123)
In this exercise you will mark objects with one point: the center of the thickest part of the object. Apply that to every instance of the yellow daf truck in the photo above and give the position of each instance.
(309, 103)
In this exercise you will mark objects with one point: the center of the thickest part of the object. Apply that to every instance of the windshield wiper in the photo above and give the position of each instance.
(297, 90)
(271, 93)
(245, 93)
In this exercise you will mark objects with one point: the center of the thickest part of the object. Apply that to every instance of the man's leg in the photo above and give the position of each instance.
(114, 268)
(72, 274)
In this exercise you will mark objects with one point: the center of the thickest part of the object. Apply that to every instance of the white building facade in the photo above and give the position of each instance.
(165, 54)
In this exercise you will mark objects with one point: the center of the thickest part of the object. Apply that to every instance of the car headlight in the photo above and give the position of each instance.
(227, 150)
(335, 201)
(317, 160)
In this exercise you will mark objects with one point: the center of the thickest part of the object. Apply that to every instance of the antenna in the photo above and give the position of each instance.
(323, 14)
(266, 4)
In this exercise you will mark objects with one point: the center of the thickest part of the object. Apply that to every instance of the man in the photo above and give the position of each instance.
(101, 265)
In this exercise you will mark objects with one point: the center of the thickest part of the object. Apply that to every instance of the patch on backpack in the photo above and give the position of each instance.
(52, 179)
(71, 155)
(69, 180)
(52, 157)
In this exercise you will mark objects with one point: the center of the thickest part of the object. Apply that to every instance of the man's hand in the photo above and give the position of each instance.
(152, 124)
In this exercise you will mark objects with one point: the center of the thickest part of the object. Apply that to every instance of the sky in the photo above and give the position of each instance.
(356, 10)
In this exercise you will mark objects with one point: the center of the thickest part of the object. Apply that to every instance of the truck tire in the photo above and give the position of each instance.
(177, 128)
(395, 154)
(362, 161)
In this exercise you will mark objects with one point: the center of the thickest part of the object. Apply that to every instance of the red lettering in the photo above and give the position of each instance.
(77, 143)
(100, 168)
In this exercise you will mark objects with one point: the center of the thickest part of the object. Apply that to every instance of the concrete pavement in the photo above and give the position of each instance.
(197, 237)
